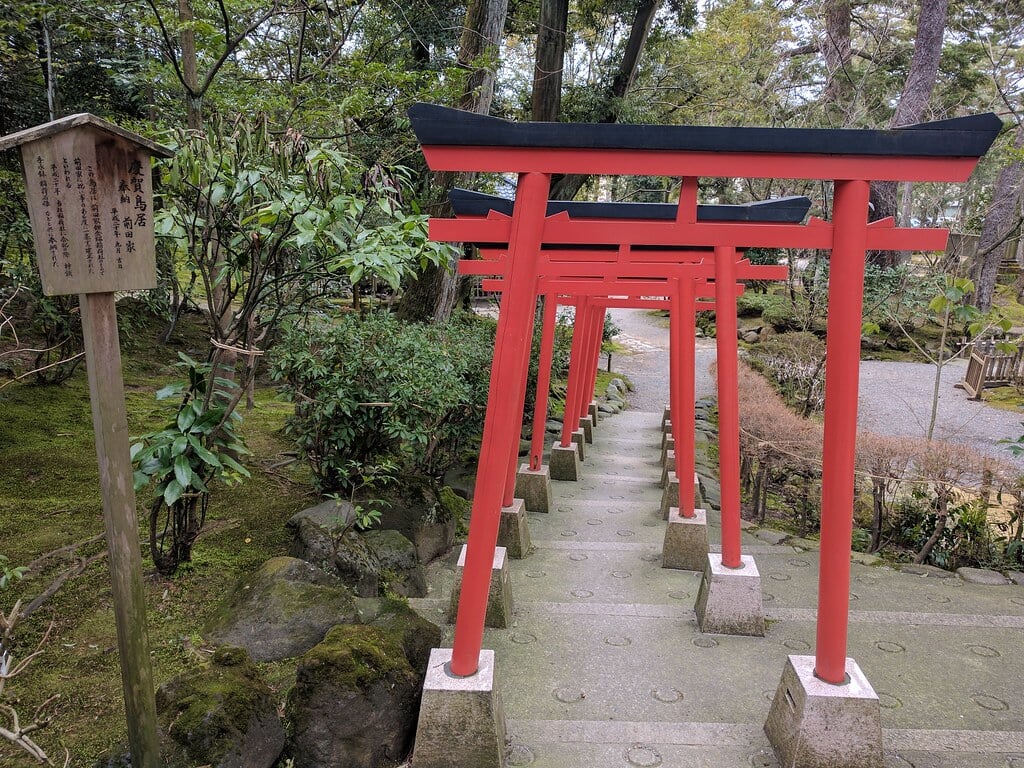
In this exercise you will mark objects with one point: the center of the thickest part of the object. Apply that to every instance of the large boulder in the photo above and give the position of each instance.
(416, 634)
(400, 567)
(324, 535)
(281, 610)
(223, 715)
(355, 700)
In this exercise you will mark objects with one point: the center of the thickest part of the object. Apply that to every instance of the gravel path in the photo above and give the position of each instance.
(895, 398)
(646, 336)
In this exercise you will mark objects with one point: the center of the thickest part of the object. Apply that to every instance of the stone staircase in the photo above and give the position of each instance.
(604, 666)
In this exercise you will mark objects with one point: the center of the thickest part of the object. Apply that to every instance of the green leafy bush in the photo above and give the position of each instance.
(780, 314)
(197, 446)
(373, 389)
(752, 304)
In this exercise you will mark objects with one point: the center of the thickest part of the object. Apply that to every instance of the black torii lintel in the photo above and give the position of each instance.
(785, 210)
(959, 137)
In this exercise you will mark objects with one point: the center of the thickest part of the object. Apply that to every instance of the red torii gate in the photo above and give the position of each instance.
(457, 141)
(617, 269)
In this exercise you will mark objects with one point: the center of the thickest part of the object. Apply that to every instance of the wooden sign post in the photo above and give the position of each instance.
(90, 200)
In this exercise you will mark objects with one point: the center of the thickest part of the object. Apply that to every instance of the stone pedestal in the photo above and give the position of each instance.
(499, 595)
(587, 425)
(666, 433)
(668, 446)
(579, 439)
(670, 496)
(534, 488)
(666, 415)
(461, 724)
(729, 601)
(565, 462)
(686, 541)
(513, 530)
(668, 466)
(592, 408)
(817, 725)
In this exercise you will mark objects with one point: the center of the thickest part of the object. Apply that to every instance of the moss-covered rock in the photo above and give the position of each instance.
(222, 715)
(282, 610)
(355, 700)
(323, 535)
(400, 566)
(417, 635)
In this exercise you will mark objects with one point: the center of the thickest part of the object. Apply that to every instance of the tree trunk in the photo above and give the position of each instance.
(942, 505)
(1002, 219)
(566, 187)
(187, 39)
(924, 68)
(877, 513)
(549, 61)
(837, 51)
(432, 296)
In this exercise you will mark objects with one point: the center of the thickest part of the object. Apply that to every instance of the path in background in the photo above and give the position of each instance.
(895, 398)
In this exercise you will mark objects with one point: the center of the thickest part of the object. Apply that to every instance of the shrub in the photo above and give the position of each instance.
(796, 364)
(780, 315)
(754, 304)
(368, 390)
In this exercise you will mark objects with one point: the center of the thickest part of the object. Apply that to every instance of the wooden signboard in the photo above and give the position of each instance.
(90, 199)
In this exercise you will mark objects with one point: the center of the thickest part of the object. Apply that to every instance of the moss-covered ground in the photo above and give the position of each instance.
(50, 499)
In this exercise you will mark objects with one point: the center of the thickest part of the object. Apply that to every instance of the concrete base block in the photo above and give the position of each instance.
(666, 415)
(565, 462)
(513, 531)
(594, 413)
(670, 496)
(666, 433)
(462, 723)
(587, 425)
(668, 444)
(499, 595)
(698, 499)
(534, 488)
(729, 601)
(579, 439)
(817, 725)
(668, 466)
(686, 541)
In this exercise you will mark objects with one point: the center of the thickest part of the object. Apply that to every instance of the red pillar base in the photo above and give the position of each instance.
(670, 497)
(513, 530)
(579, 439)
(534, 488)
(686, 541)
(499, 594)
(729, 601)
(815, 724)
(565, 462)
(461, 723)
(587, 425)
(667, 445)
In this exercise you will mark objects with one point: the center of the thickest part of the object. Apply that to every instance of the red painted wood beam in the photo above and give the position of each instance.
(560, 230)
(845, 303)
(747, 165)
(500, 427)
(728, 406)
(540, 404)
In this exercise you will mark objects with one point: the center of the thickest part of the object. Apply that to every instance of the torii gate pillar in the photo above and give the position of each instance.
(825, 712)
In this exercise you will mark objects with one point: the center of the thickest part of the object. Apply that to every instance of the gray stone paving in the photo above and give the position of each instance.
(604, 666)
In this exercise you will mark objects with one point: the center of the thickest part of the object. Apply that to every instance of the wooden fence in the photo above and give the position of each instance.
(988, 367)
